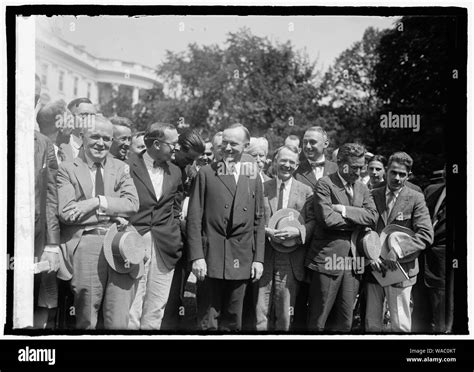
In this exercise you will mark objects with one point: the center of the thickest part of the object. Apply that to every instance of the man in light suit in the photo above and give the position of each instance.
(342, 204)
(397, 204)
(160, 190)
(94, 190)
(226, 233)
(283, 272)
(313, 166)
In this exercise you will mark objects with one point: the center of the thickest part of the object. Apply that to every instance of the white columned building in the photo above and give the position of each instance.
(68, 71)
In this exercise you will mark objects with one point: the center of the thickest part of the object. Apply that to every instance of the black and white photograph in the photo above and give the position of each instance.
(224, 171)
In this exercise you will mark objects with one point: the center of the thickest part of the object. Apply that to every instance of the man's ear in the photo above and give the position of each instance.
(326, 144)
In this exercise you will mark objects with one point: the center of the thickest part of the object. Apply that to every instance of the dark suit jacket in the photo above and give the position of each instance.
(333, 232)
(75, 184)
(46, 196)
(305, 173)
(161, 217)
(409, 211)
(225, 222)
(300, 199)
(435, 255)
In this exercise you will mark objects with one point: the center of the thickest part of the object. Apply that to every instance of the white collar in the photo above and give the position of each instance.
(287, 183)
(396, 193)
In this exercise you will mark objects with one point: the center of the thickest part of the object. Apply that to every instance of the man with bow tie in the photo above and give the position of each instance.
(160, 190)
(313, 166)
(226, 233)
(342, 203)
(397, 204)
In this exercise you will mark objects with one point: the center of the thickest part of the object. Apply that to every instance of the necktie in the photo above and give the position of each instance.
(349, 192)
(280, 196)
(390, 202)
(440, 213)
(99, 181)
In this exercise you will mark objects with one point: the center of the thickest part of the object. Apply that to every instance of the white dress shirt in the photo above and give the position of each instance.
(156, 175)
(286, 191)
(93, 170)
(319, 171)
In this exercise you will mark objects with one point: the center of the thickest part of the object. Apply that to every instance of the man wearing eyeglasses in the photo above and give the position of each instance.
(342, 203)
(160, 189)
(94, 191)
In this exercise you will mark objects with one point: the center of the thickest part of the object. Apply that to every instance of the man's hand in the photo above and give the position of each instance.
(77, 210)
(289, 232)
(376, 265)
(338, 208)
(199, 268)
(257, 271)
(390, 264)
(53, 259)
(121, 222)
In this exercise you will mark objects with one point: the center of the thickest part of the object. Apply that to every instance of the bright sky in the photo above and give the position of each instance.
(146, 39)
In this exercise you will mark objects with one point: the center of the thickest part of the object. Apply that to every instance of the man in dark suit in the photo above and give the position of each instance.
(283, 272)
(46, 226)
(160, 190)
(315, 141)
(400, 205)
(342, 204)
(438, 275)
(313, 166)
(93, 191)
(190, 147)
(226, 233)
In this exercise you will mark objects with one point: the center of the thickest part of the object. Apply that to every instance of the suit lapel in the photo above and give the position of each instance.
(272, 195)
(339, 190)
(142, 174)
(227, 179)
(166, 180)
(109, 177)
(293, 195)
(84, 177)
(307, 172)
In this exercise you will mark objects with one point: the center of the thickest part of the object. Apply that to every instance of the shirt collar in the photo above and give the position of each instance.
(90, 162)
(149, 162)
(320, 160)
(396, 193)
(287, 183)
(344, 182)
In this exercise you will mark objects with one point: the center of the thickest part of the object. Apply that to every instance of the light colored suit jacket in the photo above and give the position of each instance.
(75, 184)
(410, 211)
(300, 199)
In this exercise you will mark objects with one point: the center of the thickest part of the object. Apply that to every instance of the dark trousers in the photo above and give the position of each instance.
(65, 318)
(220, 303)
(174, 310)
(331, 301)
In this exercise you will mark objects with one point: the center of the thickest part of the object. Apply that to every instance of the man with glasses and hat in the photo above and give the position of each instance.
(405, 229)
(95, 190)
(160, 190)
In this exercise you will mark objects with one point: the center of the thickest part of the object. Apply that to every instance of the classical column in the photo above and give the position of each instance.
(135, 96)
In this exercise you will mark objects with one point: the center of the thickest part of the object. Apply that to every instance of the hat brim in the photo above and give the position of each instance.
(117, 263)
(297, 221)
(386, 232)
(366, 253)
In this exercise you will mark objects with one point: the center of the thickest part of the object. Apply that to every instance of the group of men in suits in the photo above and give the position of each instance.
(223, 231)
